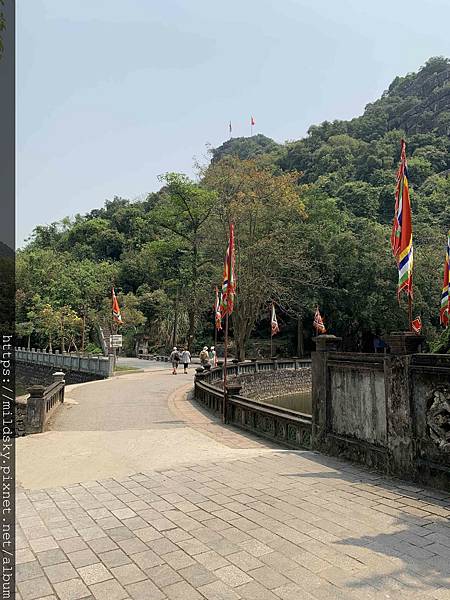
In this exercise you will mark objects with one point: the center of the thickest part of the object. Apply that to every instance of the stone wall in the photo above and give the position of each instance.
(36, 374)
(265, 385)
(391, 412)
(357, 406)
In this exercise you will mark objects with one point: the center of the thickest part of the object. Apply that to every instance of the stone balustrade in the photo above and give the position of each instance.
(35, 411)
(275, 423)
(98, 367)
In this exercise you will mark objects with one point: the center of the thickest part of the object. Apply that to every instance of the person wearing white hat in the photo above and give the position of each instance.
(204, 356)
(174, 359)
(213, 356)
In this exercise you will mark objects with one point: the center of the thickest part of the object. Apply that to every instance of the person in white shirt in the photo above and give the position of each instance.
(213, 356)
(186, 359)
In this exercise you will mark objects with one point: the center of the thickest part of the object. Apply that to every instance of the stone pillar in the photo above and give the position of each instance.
(200, 373)
(58, 377)
(233, 389)
(399, 414)
(404, 342)
(320, 396)
(35, 409)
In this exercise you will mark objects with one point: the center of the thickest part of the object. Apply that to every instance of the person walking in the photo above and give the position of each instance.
(213, 356)
(204, 357)
(185, 359)
(174, 359)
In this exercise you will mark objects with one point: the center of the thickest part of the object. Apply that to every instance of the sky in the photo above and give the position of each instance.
(113, 93)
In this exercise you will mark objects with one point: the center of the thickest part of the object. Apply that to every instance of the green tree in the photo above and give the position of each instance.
(183, 212)
(264, 208)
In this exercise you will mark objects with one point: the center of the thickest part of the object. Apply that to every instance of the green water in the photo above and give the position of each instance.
(300, 402)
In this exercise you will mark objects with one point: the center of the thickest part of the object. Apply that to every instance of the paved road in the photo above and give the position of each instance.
(113, 428)
(136, 493)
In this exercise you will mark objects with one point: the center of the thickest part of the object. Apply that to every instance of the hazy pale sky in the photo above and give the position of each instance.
(113, 93)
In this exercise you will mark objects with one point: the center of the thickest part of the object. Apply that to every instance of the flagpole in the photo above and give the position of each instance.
(215, 330)
(113, 330)
(270, 331)
(225, 358)
(410, 309)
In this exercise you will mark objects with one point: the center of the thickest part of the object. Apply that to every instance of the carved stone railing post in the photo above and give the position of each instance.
(35, 409)
(58, 377)
(399, 414)
(233, 389)
(320, 393)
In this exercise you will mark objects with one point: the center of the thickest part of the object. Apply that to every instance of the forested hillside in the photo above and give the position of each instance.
(312, 223)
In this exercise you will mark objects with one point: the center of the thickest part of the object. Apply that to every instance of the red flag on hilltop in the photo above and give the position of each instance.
(401, 236)
(274, 322)
(444, 312)
(252, 121)
(116, 309)
(217, 314)
(229, 284)
(318, 322)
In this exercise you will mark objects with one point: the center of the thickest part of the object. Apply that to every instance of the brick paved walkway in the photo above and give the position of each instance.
(270, 525)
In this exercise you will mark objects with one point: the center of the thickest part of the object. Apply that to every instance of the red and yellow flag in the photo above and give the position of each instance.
(274, 328)
(401, 236)
(318, 322)
(229, 284)
(217, 313)
(444, 312)
(116, 309)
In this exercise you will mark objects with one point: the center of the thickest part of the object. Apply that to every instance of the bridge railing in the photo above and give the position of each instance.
(84, 363)
(281, 425)
(43, 402)
(256, 366)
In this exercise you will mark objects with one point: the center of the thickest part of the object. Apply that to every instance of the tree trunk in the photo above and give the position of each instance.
(300, 337)
(191, 332)
(175, 318)
(83, 331)
(29, 341)
(62, 339)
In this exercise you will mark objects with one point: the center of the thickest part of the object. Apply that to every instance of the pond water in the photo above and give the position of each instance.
(299, 401)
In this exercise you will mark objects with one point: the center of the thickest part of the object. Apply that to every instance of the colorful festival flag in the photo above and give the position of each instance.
(229, 284)
(318, 322)
(444, 313)
(115, 308)
(217, 313)
(274, 322)
(401, 236)
(416, 325)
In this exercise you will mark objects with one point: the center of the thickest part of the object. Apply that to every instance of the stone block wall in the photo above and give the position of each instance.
(37, 374)
(264, 385)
